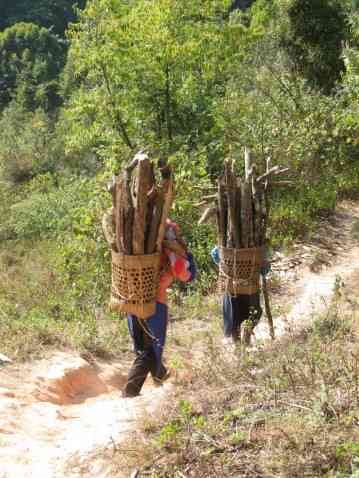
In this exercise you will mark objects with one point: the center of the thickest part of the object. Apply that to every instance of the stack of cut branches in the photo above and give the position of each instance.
(141, 207)
(242, 205)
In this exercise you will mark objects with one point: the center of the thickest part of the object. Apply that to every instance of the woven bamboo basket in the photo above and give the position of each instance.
(135, 283)
(239, 270)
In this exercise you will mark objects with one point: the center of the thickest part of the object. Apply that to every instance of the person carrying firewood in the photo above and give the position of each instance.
(241, 206)
(149, 335)
(240, 309)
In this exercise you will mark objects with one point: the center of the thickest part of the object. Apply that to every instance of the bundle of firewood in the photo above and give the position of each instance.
(140, 212)
(141, 207)
(242, 205)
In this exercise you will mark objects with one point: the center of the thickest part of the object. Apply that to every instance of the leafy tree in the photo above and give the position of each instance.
(315, 32)
(30, 62)
(52, 14)
(27, 144)
(150, 74)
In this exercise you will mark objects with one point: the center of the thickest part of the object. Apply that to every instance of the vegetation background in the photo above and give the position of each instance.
(83, 87)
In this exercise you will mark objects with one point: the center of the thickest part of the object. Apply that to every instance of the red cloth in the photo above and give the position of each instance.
(174, 267)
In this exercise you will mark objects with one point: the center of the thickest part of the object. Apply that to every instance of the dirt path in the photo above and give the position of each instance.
(57, 412)
(311, 274)
(57, 415)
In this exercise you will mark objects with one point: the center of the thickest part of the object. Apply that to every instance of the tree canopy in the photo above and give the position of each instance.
(52, 14)
(30, 62)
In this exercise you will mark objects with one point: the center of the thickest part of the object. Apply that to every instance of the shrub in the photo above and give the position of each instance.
(27, 144)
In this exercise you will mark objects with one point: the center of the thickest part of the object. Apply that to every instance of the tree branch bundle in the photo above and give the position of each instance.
(141, 207)
(240, 212)
(242, 205)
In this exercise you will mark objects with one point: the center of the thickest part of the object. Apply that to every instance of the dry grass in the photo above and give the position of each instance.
(39, 314)
(289, 410)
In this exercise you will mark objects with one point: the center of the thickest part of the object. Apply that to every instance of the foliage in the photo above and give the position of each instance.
(315, 32)
(52, 14)
(350, 116)
(160, 89)
(28, 145)
(30, 62)
(193, 82)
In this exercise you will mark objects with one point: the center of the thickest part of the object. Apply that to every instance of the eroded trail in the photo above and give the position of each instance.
(54, 414)
(57, 415)
(311, 275)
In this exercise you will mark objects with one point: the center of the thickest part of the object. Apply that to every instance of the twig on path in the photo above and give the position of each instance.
(267, 307)
(295, 405)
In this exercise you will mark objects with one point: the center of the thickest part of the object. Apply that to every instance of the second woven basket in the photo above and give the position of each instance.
(239, 270)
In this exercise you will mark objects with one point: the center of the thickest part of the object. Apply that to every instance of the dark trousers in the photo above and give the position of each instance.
(238, 309)
(145, 361)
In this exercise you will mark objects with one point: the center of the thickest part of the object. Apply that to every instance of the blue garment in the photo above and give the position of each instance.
(215, 255)
(192, 266)
(237, 309)
(157, 328)
(228, 315)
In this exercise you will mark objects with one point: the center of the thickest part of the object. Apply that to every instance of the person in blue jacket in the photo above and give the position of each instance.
(240, 308)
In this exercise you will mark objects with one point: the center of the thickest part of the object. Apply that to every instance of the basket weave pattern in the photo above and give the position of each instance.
(239, 270)
(135, 283)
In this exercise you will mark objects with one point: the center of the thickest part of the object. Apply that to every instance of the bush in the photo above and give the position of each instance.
(316, 31)
(27, 144)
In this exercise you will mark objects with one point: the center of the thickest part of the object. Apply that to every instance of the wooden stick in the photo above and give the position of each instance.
(268, 172)
(265, 225)
(151, 203)
(143, 185)
(257, 229)
(155, 223)
(246, 202)
(169, 193)
(281, 171)
(209, 198)
(266, 197)
(273, 171)
(208, 213)
(200, 204)
(128, 215)
(222, 214)
(247, 162)
(232, 230)
(238, 209)
(246, 215)
(118, 213)
(267, 307)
